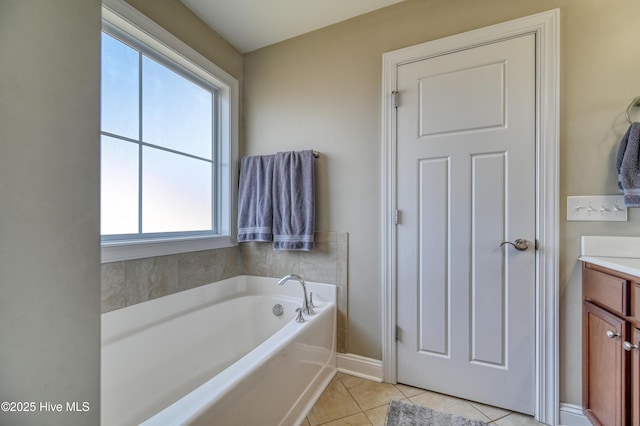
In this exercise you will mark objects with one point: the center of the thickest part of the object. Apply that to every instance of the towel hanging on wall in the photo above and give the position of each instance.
(293, 201)
(255, 206)
(276, 200)
(628, 166)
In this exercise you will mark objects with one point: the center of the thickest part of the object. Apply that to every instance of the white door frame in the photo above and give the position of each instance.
(545, 26)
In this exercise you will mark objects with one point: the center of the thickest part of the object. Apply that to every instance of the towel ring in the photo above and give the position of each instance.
(634, 103)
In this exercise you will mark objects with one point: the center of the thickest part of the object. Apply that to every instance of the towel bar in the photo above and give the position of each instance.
(634, 103)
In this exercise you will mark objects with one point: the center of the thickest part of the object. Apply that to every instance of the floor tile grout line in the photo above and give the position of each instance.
(377, 406)
(494, 419)
(345, 417)
(336, 376)
(362, 410)
(502, 417)
(486, 419)
(348, 391)
(352, 397)
(490, 420)
(410, 396)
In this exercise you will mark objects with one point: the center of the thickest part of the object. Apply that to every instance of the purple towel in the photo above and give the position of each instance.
(628, 166)
(293, 201)
(255, 211)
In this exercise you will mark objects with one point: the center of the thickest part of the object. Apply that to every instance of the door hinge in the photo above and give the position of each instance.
(396, 96)
(396, 216)
(397, 331)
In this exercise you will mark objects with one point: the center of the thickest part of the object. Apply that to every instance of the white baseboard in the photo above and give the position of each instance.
(360, 366)
(572, 415)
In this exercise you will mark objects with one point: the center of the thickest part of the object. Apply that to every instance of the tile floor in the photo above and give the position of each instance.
(350, 400)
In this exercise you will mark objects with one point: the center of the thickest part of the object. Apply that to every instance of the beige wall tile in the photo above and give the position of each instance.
(254, 258)
(281, 263)
(112, 282)
(319, 265)
(135, 281)
(342, 306)
(341, 340)
(230, 259)
(147, 279)
(144, 279)
(342, 258)
(196, 269)
(206, 267)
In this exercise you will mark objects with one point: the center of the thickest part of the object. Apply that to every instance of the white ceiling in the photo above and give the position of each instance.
(251, 24)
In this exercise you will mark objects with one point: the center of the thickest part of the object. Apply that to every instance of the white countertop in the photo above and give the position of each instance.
(620, 254)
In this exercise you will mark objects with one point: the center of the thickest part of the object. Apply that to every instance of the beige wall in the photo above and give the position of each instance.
(49, 208)
(179, 20)
(322, 91)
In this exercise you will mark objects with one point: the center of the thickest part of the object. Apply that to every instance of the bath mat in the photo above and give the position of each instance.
(406, 414)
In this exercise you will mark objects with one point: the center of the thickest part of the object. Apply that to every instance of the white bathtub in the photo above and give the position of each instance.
(217, 355)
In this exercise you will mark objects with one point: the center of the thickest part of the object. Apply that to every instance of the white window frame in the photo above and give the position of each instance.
(125, 18)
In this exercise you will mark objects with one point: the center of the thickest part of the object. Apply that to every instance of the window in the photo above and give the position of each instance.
(168, 131)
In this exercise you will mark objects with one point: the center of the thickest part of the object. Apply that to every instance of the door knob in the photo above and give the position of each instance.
(519, 244)
(627, 346)
(612, 334)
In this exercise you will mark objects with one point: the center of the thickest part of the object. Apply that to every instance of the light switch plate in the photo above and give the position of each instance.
(597, 208)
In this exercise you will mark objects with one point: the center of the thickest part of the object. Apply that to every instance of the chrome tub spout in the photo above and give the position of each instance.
(306, 306)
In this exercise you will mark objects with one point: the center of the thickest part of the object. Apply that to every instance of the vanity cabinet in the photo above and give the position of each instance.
(610, 340)
(635, 377)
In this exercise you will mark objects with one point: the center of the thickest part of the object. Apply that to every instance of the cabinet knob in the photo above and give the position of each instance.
(627, 346)
(612, 334)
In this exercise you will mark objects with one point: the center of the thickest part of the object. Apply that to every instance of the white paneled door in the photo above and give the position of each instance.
(466, 166)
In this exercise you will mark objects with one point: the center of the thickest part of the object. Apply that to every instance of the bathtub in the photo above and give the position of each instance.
(218, 355)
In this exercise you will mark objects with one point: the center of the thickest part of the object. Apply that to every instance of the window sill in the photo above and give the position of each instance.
(129, 250)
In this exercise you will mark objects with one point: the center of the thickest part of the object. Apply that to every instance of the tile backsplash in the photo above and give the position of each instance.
(326, 263)
(128, 282)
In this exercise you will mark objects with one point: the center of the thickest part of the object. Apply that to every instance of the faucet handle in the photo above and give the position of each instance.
(311, 305)
(299, 318)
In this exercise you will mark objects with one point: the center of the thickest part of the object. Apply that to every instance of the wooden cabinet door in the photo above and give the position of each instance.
(635, 378)
(604, 390)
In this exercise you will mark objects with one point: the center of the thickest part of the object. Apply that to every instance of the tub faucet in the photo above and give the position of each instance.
(306, 306)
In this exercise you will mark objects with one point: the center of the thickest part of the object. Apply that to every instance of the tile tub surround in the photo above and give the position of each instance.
(326, 263)
(129, 282)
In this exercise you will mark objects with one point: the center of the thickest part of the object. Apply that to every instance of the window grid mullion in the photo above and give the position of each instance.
(140, 150)
(158, 147)
(215, 167)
